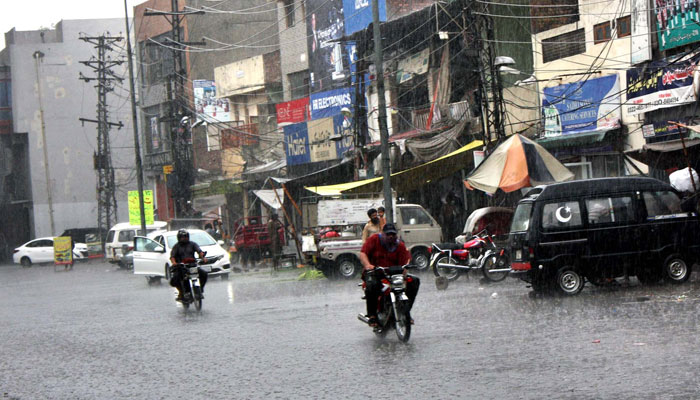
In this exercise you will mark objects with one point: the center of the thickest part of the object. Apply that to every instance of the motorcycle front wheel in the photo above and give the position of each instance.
(402, 322)
(450, 273)
(197, 292)
(495, 262)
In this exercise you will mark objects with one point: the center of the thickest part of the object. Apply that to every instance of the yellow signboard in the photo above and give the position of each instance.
(62, 251)
(135, 212)
(167, 169)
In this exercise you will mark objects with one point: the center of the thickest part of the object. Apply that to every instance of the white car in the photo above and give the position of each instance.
(152, 254)
(41, 251)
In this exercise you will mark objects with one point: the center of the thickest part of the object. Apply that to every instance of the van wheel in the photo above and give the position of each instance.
(569, 281)
(348, 267)
(676, 269)
(420, 259)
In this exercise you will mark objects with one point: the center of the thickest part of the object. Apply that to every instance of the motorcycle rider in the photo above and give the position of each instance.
(184, 248)
(385, 249)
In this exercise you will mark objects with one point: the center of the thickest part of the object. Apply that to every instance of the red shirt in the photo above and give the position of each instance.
(381, 257)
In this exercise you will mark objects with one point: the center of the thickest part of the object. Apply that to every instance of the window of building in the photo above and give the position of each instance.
(564, 45)
(624, 27)
(550, 14)
(289, 12)
(602, 32)
(299, 84)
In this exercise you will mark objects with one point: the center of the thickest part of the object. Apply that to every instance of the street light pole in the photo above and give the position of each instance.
(37, 57)
(381, 104)
(137, 147)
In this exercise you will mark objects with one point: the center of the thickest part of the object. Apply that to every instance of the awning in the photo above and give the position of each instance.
(410, 179)
(212, 188)
(264, 170)
(208, 203)
(268, 197)
(576, 139)
(665, 155)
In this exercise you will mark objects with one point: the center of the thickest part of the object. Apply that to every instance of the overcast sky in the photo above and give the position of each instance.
(34, 14)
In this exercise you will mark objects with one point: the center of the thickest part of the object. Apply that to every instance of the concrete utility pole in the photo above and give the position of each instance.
(38, 56)
(183, 168)
(134, 119)
(381, 104)
(106, 190)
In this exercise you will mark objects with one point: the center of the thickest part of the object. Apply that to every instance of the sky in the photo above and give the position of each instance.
(35, 14)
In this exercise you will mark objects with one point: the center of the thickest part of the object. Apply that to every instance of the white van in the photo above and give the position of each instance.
(122, 234)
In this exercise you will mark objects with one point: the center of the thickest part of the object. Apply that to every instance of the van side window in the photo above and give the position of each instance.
(661, 203)
(610, 209)
(414, 216)
(126, 236)
(561, 215)
(110, 236)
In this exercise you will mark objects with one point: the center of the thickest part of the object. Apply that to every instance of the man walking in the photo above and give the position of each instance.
(273, 227)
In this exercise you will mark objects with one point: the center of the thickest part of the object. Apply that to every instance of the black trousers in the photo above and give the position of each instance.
(374, 287)
(177, 280)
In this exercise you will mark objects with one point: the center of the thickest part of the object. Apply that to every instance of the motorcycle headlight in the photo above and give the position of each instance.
(397, 280)
(194, 270)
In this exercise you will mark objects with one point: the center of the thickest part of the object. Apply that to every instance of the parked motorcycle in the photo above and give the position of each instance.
(392, 307)
(450, 260)
(192, 290)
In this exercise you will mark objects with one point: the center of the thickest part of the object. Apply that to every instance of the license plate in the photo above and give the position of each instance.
(518, 254)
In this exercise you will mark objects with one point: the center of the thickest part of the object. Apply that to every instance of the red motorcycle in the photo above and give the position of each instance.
(450, 260)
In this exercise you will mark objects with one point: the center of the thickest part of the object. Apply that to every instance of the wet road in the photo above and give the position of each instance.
(100, 332)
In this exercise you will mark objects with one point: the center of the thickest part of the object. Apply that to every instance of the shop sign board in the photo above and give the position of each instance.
(135, 210)
(292, 112)
(206, 103)
(676, 23)
(586, 106)
(657, 87)
(62, 251)
(358, 14)
(328, 104)
(318, 140)
(328, 59)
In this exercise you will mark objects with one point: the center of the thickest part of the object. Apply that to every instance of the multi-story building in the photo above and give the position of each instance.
(47, 62)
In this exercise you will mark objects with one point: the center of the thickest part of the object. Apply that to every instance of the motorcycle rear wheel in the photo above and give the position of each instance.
(450, 273)
(403, 322)
(494, 262)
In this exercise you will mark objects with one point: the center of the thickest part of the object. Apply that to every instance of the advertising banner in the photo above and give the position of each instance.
(346, 212)
(415, 64)
(293, 112)
(358, 14)
(328, 104)
(318, 140)
(676, 23)
(62, 251)
(94, 245)
(328, 57)
(641, 34)
(654, 88)
(206, 103)
(585, 106)
(134, 209)
(657, 129)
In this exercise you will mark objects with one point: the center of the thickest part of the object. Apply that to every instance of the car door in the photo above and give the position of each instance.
(612, 232)
(45, 250)
(149, 257)
(417, 226)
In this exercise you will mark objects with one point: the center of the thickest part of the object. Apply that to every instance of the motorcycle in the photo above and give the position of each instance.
(192, 290)
(392, 307)
(450, 260)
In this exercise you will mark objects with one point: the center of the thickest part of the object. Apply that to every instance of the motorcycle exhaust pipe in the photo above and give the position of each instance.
(500, 270)
(363, 318)
(457, 266)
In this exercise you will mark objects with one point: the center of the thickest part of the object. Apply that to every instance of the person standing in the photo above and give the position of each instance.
(371, 227)
(273, 227)
(382, 220)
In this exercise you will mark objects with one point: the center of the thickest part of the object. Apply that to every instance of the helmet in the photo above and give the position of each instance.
(182, 233)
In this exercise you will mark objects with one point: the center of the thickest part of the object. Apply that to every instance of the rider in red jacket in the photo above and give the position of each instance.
(385, 250)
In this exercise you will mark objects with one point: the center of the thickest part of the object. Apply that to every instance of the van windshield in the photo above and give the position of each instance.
(521, 218)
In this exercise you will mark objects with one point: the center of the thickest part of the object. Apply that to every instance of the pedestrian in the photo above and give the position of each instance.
(209, 229)
(382, 219)
(373, 226)
(273, 227)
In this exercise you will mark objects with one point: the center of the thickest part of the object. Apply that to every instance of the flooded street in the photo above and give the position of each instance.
(100, 332)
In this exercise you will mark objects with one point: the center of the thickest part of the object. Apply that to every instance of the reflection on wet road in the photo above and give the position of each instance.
(100, 332)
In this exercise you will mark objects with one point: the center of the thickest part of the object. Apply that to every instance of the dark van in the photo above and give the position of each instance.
(565, 233)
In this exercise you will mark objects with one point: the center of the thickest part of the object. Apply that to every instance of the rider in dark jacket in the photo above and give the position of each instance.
(182, 250)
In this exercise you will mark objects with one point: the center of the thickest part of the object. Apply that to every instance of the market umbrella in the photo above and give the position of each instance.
(517, 163)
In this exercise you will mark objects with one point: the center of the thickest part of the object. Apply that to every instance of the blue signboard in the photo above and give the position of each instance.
(328, 104)
(296, 144)
(358, 14)
(586, 106)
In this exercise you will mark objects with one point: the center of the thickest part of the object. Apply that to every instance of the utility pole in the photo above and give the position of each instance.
(180, 135)
(38, 56)
(381, 104)
(102, 159)
(134, 120)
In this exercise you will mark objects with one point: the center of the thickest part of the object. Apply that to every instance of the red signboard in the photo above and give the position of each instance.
(292, 112)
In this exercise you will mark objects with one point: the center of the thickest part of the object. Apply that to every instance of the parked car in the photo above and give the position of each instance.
(41, 251)
(151, 255)
(121, 238)
(599, 229)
